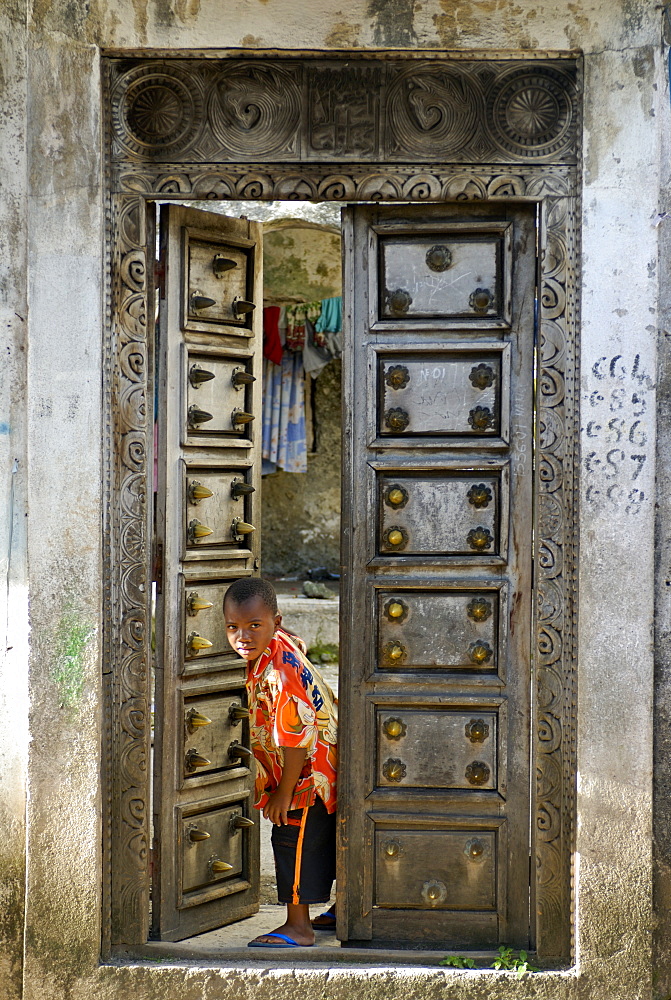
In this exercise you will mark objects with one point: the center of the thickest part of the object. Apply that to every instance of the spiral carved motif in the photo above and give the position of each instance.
(433, 109)
(255, 110)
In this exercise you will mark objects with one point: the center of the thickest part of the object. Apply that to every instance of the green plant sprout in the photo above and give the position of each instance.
(506, 961)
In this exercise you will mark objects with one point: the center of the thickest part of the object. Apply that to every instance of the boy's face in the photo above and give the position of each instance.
(250, 626)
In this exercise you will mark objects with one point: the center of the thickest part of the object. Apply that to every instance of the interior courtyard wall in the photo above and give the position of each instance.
(62, 417)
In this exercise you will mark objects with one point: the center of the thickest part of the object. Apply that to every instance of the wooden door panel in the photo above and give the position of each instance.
(425, 748)
(436, 589)
(467, 639)
(208, 485)
(443, 393)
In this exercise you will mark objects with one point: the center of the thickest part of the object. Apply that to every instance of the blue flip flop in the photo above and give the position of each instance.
(330, 926)
(288, 942)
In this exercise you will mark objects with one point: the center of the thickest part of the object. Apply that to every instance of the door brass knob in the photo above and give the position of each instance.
(396, 537)
(482, 376)
(200, 301)
(242, 307)
(396, 496)
(396, 419)
(394, 769)
(237, 750)
(198, 492)
(480, 652)
(198, 375)
(477, 730)
(221, 264)
(196, 835)
(236, 714)
(241, 378)
(218, 867)
(197, 642)
(394, 729)
(434, 892)
(239, 418)
(438, 258)
(241, 489)
(394, 651)
(481, 418)
(197, 416)
(397, 377)
(479, 495)
(399, 301)
(196, 719)
(198, 530)
(479, 609)
(475, 850)
(480, 538)
(392, 848)
(194, 604)
(396, 610)
(477, 773)
(480, 300)
(194, 759)
(241, 823)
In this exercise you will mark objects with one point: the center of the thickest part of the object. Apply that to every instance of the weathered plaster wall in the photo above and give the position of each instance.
(301, 511)
(60, 414)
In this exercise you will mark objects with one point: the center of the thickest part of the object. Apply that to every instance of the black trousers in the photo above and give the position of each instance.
(305, 855)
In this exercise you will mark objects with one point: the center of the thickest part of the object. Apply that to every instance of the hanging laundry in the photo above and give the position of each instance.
(329, 324)
(282, 325)
(272, 347)
(315, 355)
(296, 316)
(284, 444)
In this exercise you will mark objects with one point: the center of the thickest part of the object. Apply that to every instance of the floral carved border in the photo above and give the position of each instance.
(128, 446)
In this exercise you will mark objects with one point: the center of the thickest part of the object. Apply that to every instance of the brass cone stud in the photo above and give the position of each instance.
(195, 759)
(242, 527)
(198, 375)
(198, 530)
(221, 264)
(237, 750)
(239, 417)
(197, 642)
(242, 307)
(219, 867)
(196, 720)
(195, 604)
(196, 835)
(198, 492)
(241, 822)
(396, 652)
(199, 301)
(236, 714)
(241, 489)
(240, 377)
(197, 416)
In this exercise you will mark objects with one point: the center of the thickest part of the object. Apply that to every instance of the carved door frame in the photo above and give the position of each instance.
(492, 127)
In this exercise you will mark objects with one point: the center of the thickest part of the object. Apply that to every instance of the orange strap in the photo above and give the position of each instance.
(295, 895)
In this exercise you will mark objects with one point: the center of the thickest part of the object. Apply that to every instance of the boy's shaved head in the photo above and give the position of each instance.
(252, 586)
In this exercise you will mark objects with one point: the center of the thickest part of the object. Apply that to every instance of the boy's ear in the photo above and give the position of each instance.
(278, 620)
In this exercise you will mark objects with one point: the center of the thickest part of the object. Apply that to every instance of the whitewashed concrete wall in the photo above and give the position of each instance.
(52, 228)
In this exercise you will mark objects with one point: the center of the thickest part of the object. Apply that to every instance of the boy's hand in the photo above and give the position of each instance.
(277, 806)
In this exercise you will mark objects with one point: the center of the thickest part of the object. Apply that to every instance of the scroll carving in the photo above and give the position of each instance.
(410, 130)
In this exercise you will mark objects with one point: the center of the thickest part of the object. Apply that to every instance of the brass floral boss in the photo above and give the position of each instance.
(475, 850)
(477, 730)
(480, 652)
(400, 301)
(479, 609)
(480, 538)
(397, 377)
(394, 651)
(394, 729)
(438, 258)
(195, 603)
(477, 773)
(481, 418)
(396, 610)
(394, 769)
(480, 300)
(482, 376)
(396, 496)
(392, 849)
(434, 892)
(395, 537)
(198, 492)
(479, 495)
(198, 376)
(396, 419)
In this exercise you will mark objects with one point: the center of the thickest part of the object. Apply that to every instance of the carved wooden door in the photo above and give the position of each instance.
(209, 390)
(437, 543)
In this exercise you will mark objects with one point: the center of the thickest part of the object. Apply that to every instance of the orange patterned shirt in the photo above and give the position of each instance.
(290, 705)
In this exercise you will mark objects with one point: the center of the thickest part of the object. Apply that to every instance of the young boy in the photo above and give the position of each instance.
(293, 727)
